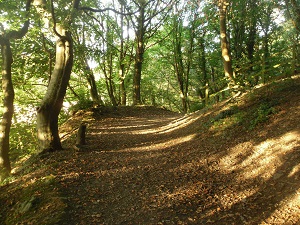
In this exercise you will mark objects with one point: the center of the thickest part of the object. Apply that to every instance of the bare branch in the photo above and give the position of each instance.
(85, 8)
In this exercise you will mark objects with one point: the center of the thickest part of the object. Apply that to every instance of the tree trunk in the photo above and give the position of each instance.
(250, 43)
(89, 74)
(202, 64)
(47, 113)
(139, 57)
(179, 65)
(266, 49)
(92, 84)
(8, 93)
(226, 56)
(179, 69)
(296, 9)
(121, 61)
(122, 85)
(138, 72)
(109, 79)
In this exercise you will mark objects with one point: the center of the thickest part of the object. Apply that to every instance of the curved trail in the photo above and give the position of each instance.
(157, 167)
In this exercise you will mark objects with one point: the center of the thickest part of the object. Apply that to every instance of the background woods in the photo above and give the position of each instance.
(60, 56)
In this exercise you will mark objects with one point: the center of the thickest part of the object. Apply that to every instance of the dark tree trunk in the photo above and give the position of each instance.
(202, 64)
(109, 79)
(266, 47)
(139, 57)
(179, 65)
(8, 93)
(48, 112)
(137, 82)
(122, 65)
(138, 72)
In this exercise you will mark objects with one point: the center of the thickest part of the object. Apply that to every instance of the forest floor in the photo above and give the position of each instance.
(237, 162)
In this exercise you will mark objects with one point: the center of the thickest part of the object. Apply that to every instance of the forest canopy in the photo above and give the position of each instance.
(59, 56)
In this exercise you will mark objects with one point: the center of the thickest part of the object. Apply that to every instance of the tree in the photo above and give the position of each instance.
(8, 91)
(183, 39)
(145, 28)
(225, 48)
(293, 8)
(293, 14)
(125, 49)
(111, 47)
(83, 65)
(50, 107)
(252, 36)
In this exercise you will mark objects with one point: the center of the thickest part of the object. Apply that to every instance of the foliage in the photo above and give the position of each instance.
(262, 114)
(81, 104)
(264, 45)
(22, 140)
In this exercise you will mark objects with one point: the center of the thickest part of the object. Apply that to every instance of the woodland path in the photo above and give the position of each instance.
(145, 165)
(152, 166)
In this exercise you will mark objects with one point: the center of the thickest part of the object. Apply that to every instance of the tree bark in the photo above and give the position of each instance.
(121, 60)
(122, 85)
(296, 12)
(8, 93)
(202, 64)
(226, 56)
(139, 57)
(92, 84)
(88, 72)
(47, 113)
(181, 72)
(250, 43)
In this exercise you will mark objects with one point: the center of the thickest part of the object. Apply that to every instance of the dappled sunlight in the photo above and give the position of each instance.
(160, 145)
(42, 136)
(174, 124)
(295, 170)
(257, 160)
(289, 206)
(229, 199)
(260, 169)
(136, 127)
(177, 124)
(180, 195)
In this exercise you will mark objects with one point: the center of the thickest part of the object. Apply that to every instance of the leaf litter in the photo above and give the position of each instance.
(146, 165)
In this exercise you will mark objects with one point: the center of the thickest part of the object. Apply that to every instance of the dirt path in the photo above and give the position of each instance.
(230, 164)
(156, 167)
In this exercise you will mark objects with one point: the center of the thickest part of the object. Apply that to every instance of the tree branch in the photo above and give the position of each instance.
(21, 33)
(85, 8)
(54, 20)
